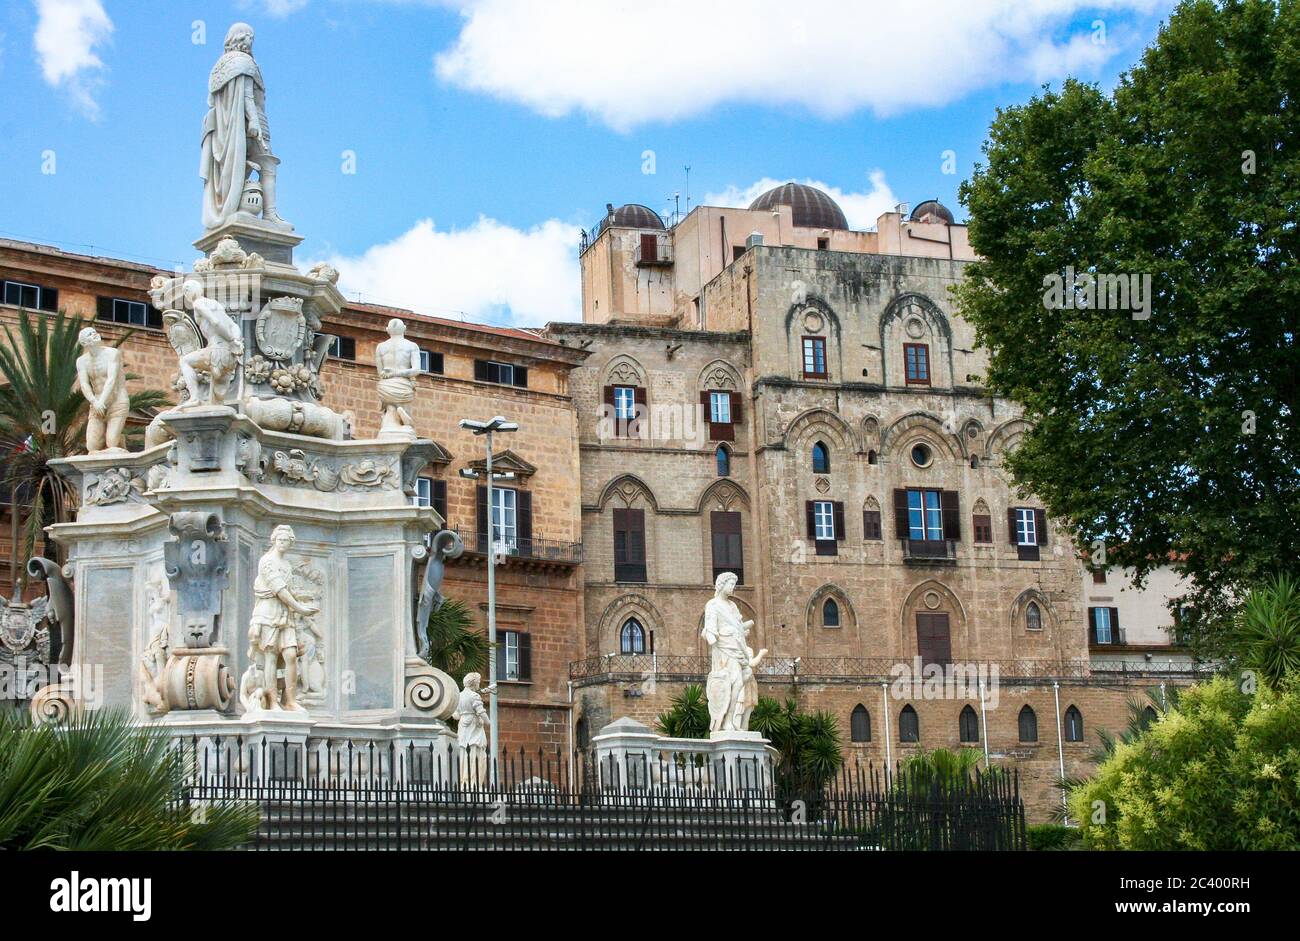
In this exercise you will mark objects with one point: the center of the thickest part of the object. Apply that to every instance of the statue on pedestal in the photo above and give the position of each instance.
(471, 734)
(103, 382)
(273, 628)
(398, 361)
(237, 139)
(218, 357)
(732, 689)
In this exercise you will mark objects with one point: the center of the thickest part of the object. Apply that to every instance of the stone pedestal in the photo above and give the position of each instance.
(631, 755)
(273, 243)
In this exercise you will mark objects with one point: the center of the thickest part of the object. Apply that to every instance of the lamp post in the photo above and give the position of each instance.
(486, 429)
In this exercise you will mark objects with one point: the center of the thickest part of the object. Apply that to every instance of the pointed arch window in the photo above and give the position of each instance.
(1073, 725)
(968, 725)
(860, 724)
(1033, 617)
(723, 458)
(909, 726)
(631, 637)
(1028, 725)
(830, 613)
(821, 458)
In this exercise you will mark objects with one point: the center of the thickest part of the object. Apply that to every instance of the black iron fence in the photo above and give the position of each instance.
(347, 795)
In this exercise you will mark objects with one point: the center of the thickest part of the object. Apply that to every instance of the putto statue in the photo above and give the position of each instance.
(398, 361)
(237, 138)
(218, 357)
(471, 733)
(103, 383)
(731, 689)
(273, 629)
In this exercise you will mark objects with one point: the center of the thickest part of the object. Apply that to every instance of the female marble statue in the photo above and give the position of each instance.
(471, 733)
(731, 688)
(273, 628)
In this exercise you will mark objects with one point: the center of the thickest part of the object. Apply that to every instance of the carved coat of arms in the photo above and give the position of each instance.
(281, 327)
(19, 622)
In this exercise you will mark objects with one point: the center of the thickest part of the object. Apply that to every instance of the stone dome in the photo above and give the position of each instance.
(809, 206)
(933, 208)
(633, 216)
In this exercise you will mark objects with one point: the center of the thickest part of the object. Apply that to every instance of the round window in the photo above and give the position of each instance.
(921, 456)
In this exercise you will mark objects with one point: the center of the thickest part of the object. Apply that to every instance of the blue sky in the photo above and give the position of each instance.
(487, 132)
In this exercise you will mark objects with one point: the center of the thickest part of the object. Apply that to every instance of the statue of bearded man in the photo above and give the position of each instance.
(236, 135)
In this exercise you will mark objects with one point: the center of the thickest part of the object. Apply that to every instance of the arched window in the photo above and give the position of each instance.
(724, 461)
(968, 725)
(1149, 717)
(632, 637)
(830, 613)
(974, 462)
(1028, 725)
(1073, 725)
(821, 458)
(909, 727)
(860, 724)
(1033, 617)
(871, 457)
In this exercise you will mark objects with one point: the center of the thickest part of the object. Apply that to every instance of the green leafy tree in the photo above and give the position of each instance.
(1267, 638)
(687, 715)
(1172, 437)
(43, 417)
(1219, 772)
(456, 646)
(100, 782)
(808, 744)
(941, 766)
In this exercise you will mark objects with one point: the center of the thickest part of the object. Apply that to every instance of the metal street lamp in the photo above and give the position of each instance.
(487, 429)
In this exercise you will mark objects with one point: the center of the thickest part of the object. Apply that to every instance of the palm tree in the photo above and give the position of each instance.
(1268, 629)
(808, 744)
(100, 782)
(43, 417)
(687, 716)
(455, 644)
(942, 767)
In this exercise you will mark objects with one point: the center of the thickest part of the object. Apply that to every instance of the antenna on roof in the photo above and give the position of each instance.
(688, 190)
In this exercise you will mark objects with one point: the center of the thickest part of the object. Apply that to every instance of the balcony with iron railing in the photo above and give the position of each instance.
(535, 549)
(654, 251)
(930, 551)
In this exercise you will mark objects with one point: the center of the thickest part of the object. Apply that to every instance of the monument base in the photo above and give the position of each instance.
(254, 234)
(631, 755)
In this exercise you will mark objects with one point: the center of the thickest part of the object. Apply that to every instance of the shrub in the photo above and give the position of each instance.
(1051, 836)
(1219, 772)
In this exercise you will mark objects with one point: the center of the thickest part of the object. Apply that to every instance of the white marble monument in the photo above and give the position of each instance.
(397, 360)
(102, 381)
(731, 688)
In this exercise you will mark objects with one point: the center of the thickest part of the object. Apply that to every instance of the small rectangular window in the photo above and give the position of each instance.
(430, 362)
(343, 348)
(983, 525)
(737, 251)
(720, 408)
(728, 552)
(504, 518)
(924, 515)
(624, 403)
(814, 357)
(916, 357)
(1099, 577)
(1026, 528)
(423, 492)
(514, 656)
(1102, 625)
(506, 374)
(871, 524)
(30, 296)
(824, 517)
(823, 245)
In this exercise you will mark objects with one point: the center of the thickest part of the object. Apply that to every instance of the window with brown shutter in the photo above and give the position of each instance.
(982, 523)
(728, 554)
(871, 524)
(524, 522)
(1040, 525)
(933, 639)
(439, 500)
(649, 247)
(901, 525)
(719, 412)
(514, 657)
(825, 520)
(629, 545)
(950, 509)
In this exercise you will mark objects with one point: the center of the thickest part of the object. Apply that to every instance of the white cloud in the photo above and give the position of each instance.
(489, 271)
(629, 63)
(67, 32)
(276, 8)
(861, 209)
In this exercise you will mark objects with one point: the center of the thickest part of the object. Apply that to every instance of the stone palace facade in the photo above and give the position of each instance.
(763, 391)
